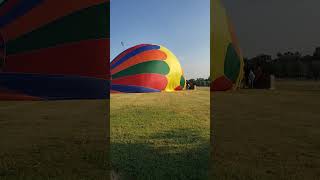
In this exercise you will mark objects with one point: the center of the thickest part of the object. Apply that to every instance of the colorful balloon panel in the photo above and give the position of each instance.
(226, 59)
(146, 68)
(54, 49)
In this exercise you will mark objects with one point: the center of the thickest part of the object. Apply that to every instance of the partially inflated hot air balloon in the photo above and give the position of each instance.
(53, 49)
(226, 59)
(146, 68)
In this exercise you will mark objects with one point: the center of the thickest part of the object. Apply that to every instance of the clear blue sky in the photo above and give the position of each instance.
(183, 26)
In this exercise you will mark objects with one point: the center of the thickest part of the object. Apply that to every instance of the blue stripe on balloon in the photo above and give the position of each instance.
(55, 87)
(133, 53)
(22, 8)
(132, 89)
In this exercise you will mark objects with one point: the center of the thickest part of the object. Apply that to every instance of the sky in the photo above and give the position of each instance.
(182, 26)
(271, 26)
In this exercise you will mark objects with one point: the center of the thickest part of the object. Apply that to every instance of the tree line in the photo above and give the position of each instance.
(287, 65)
(200, 81)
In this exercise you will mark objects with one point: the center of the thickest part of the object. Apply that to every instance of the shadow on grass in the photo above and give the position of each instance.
(175, 154)
(63, 161)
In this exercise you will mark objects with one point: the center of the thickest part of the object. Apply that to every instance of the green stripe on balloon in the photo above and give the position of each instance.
(89, 23)
(182, 81)
(155, 67)
(232, 63)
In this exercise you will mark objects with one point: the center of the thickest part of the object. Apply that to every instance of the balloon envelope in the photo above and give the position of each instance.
(146, 68)
(54, 49)
(226, 59)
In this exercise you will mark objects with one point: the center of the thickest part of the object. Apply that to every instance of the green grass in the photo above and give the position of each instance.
(53, 140)
(263, 134)
(160, 135)
(258, 134)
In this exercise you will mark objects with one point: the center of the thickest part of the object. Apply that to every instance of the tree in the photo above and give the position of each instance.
(279, 55)
(193, 81)
(317, 52)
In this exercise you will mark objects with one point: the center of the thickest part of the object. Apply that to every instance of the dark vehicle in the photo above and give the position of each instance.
(190, 85)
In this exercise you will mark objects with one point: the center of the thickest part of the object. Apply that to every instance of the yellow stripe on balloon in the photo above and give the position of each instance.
(175, 72)
(221, 38)
(222, 35)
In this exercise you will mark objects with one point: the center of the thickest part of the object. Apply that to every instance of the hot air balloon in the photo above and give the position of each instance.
(226, 59)
(146, 68)
(54, 49)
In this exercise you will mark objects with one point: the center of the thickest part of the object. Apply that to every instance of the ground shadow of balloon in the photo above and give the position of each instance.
(147, 161)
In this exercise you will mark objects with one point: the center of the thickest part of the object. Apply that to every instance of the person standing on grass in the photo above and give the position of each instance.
(251, 78)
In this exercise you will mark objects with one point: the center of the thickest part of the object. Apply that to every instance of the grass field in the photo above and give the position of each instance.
(160, 135)
(263, 134)
(258, 134)
(53, 140)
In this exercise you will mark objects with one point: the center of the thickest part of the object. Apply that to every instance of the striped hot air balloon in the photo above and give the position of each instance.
(54, 49)
(146, 68)
(226, 59)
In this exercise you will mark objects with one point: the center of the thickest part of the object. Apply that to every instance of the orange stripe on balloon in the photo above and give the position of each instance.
(139, 58)
(43, 14)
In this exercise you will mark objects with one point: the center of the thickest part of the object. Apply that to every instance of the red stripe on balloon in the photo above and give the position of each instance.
(140, 58)
(221, 84)
(7, 6)
(178, 88)
(154, 81)
(84, 58)
(121, 55)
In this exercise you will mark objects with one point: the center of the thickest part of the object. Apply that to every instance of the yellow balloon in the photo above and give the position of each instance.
(226, 58)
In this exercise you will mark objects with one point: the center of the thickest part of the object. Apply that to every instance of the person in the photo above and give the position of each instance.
(251, 78)
(246, 77)
(272, 81)
(188, 85)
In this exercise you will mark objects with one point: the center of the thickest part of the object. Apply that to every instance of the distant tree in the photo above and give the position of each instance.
(200, 81)
(245, 60)
(193, 81)
(315, 69)
(297, 54)
(316, 52)
(279, 55)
